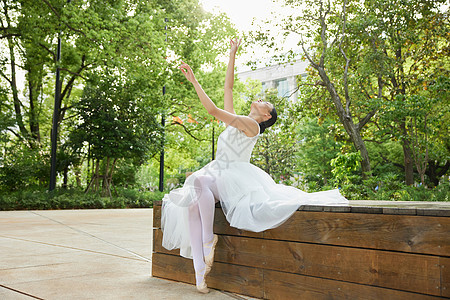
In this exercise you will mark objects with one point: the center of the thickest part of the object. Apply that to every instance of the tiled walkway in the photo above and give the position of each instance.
(95, 254)
(83, 254)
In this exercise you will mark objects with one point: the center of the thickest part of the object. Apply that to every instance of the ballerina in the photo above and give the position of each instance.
(249, 197)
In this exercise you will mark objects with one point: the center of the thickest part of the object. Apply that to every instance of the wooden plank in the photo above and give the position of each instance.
(402, 271)
(279, 285)
(415, 234)
(236, 279)
(173, 267)
(367, 210)
(433, 212)
(445, 276)
(399, 211)
(157, 243)
(221, 226)
(157, 216)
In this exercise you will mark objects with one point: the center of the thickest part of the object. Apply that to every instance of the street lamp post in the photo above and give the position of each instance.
(213, 151)
(163, 122)
(161, 157)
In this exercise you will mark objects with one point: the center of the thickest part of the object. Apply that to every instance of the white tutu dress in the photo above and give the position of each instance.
(250, 198)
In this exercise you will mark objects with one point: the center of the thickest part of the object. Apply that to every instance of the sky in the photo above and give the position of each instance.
(242, 13)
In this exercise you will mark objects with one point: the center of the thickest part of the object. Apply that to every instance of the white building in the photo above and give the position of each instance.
(282, 77)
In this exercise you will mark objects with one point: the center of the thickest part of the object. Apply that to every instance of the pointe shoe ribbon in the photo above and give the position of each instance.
(202, 287)
(209, 259)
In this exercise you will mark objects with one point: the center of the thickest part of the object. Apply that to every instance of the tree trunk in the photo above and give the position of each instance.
(106, 190)
(66, 171)
(110, 178)
(365, 162)
(409, 165)
(78, 177)
(96, 175)
(112, 170)
(33, 90)
(15, 94)
(352, 129)
(407, 156)
(435, 171)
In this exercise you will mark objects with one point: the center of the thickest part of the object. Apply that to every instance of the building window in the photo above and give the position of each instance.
(282, 88)
(264, 87)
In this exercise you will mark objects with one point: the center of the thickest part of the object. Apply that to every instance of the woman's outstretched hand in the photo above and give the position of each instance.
(187, 71)
(234, 45)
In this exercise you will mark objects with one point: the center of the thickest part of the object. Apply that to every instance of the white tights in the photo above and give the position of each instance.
(201, 220)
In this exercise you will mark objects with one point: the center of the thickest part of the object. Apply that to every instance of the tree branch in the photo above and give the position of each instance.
(366, 119)
(49, 51)
(188, 132)
(323, 26)
(74, 73)
(5, 77)
(72, 79)
(8, 35)
(347, 61)
(315, 65)
(15, 133)
(59, 17)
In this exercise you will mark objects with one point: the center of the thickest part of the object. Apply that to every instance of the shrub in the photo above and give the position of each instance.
(35, 199)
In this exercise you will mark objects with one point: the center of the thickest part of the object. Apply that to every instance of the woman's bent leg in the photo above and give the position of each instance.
(206, 190)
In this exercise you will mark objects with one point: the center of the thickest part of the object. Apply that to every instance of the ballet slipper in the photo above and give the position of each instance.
(209, 259)
(202, 287)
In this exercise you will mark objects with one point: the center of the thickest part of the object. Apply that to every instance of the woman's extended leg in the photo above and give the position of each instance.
(201, 220)
(195, 232)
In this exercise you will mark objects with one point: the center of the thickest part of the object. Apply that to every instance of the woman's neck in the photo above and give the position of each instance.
(258, 118)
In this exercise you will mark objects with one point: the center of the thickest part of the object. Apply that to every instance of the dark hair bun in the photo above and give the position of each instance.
(270, 122)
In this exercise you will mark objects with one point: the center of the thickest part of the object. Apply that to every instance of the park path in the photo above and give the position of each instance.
(83, 254)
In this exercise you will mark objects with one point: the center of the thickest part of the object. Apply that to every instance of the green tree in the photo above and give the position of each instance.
(116, 122)
(275, 151)
(126, 38)
(321, 28)
(405, 44)
(370, 57)
(318, 147)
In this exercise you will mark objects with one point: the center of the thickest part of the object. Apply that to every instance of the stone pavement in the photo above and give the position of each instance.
(84, 254)
(96, 254)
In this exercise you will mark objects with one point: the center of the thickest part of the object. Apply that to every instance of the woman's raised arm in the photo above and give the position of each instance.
(244, 123)
(229, 78)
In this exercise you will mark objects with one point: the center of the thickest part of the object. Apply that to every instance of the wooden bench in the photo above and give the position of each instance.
(326, 253)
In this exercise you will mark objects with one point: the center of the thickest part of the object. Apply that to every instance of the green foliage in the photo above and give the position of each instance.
(276, 147)
(117, 56)
(22, 167)
(38, 199)
(344, 167)
(318, 147)
(397, 59)
(115, 121)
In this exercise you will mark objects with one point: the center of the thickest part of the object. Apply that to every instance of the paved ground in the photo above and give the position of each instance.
(83, 254)
(94, 254)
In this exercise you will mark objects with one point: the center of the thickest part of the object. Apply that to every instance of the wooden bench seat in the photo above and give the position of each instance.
(326, 253)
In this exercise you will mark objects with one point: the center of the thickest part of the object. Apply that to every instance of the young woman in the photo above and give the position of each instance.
(249, 197)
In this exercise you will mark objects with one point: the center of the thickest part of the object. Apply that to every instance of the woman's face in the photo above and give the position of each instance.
(262, 107)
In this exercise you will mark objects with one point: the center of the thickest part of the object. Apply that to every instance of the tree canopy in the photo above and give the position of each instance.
(372, 116)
